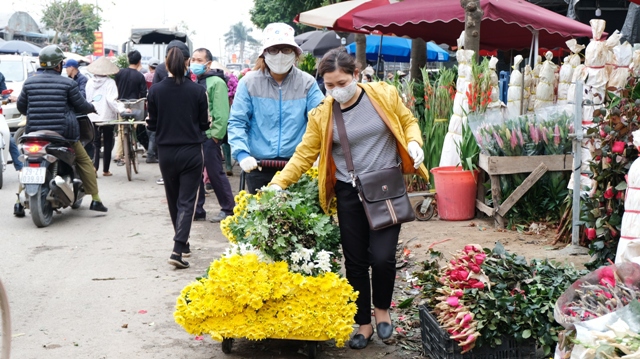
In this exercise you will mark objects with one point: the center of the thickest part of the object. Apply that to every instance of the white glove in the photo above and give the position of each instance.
(275, 187)
(248, 164)
(416, 153)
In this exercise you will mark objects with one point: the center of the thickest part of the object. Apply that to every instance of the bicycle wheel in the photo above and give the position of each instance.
(6, 324)
(126, 146)
(134, 151)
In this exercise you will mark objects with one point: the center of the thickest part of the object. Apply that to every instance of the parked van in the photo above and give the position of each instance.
(16, 69)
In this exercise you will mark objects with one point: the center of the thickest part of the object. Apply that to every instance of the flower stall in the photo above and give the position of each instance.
(537, 144)
(278, 279)
(484, 303)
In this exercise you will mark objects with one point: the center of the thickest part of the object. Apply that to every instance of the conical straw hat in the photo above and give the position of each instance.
(219, 66)
(103, 66)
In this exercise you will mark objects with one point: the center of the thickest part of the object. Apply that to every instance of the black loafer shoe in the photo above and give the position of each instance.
(98, 206)
(359, 341)
(385, 330)
(178, 262)
(18, 210)
(200, 218)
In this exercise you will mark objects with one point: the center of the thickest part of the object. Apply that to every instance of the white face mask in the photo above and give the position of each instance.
(280, 63)
(344, 94)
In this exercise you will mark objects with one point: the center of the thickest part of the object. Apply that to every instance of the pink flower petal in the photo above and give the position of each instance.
(142, 311)
(199, 337)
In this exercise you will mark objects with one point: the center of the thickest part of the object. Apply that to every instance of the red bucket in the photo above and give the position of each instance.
(456, 191)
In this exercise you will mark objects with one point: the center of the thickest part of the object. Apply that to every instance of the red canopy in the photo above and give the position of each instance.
(338, 16)
(506, 24)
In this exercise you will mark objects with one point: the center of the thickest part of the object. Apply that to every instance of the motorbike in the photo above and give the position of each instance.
(4, 135)
(49, 176)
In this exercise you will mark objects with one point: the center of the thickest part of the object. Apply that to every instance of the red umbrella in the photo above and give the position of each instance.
(506, 24)
(339, 16)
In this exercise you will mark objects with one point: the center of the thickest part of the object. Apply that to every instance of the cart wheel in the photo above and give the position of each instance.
(423, 216)
(227, 344)
(312, 349)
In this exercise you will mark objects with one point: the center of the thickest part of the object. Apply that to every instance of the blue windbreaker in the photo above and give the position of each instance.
(268, 120)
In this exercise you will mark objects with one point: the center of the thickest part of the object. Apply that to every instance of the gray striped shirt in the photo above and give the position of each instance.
(372, 144)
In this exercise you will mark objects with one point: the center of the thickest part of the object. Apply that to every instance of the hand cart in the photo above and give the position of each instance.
(312, 344)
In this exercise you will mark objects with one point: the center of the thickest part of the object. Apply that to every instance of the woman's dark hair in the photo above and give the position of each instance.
(175, 64)
(337, 59)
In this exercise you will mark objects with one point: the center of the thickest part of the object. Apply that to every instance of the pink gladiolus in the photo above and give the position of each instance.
(618, 147)
(499, 140)
(520, 137)
(453, 301)
(544, 135)
(458, 293)
(534, 134)
(467, 318)
(556, 135)
(514, 142)
(480, 258)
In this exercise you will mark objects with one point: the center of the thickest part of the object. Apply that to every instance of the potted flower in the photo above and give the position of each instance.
(457, 185)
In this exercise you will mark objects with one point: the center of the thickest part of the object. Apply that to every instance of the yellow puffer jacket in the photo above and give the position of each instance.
(318, 140)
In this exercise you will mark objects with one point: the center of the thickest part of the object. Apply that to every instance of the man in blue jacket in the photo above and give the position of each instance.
(269, 111)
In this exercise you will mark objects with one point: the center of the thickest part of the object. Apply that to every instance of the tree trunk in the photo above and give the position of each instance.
(418, 58)
(361, 52)
(472, 19)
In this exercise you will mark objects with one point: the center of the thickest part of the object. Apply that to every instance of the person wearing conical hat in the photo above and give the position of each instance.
(102, 90)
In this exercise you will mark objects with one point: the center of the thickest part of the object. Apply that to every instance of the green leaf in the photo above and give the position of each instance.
(621, 186)
(406, 303)
(526, 334)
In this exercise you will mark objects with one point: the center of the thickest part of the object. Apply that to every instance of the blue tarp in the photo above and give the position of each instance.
(397, 49)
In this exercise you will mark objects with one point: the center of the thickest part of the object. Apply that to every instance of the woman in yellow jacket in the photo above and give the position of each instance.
(382, 133)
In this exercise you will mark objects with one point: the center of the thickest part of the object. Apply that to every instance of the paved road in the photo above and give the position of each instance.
(98, 286)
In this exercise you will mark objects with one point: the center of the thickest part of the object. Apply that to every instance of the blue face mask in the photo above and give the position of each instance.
(197, 69)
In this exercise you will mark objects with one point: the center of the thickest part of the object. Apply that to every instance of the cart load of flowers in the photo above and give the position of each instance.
(482, 297)
(601, 314)
(279, 277)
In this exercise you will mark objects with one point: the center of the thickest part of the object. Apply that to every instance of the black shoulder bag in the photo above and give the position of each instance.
(382, 192)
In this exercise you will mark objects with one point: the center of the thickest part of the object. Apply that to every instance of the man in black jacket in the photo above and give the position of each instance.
(49, 101)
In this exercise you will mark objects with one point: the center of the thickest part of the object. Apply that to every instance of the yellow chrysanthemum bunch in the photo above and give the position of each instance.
(243, 297)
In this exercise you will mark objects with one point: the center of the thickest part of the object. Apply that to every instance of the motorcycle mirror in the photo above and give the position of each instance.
(97, 98)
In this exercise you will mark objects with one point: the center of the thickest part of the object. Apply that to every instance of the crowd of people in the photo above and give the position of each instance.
(278, 112)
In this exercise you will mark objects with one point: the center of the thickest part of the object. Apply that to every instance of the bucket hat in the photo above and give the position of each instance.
(103, 67)
(279, 33)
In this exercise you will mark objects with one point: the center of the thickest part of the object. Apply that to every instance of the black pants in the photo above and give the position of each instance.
(217, 178)
(364, 248)
(181, 168)
(107, 133)
(257, 179)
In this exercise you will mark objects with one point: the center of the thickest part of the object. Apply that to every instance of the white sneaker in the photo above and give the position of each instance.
(160, 181)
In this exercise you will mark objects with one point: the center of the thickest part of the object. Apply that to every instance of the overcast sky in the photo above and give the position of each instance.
(210, 19)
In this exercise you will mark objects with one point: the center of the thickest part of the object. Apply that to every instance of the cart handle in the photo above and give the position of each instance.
(272, 163)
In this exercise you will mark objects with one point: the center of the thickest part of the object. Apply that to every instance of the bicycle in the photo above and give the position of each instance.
(133, 115)
(6, 324)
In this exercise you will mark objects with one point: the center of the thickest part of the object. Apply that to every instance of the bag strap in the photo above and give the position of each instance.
(344, 140)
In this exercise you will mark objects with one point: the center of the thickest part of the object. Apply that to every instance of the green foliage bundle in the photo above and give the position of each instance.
(603, 211)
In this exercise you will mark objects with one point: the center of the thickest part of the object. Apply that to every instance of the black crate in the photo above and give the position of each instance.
(437, 344)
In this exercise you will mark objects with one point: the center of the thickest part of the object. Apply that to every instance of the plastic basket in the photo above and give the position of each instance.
(437, 344)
